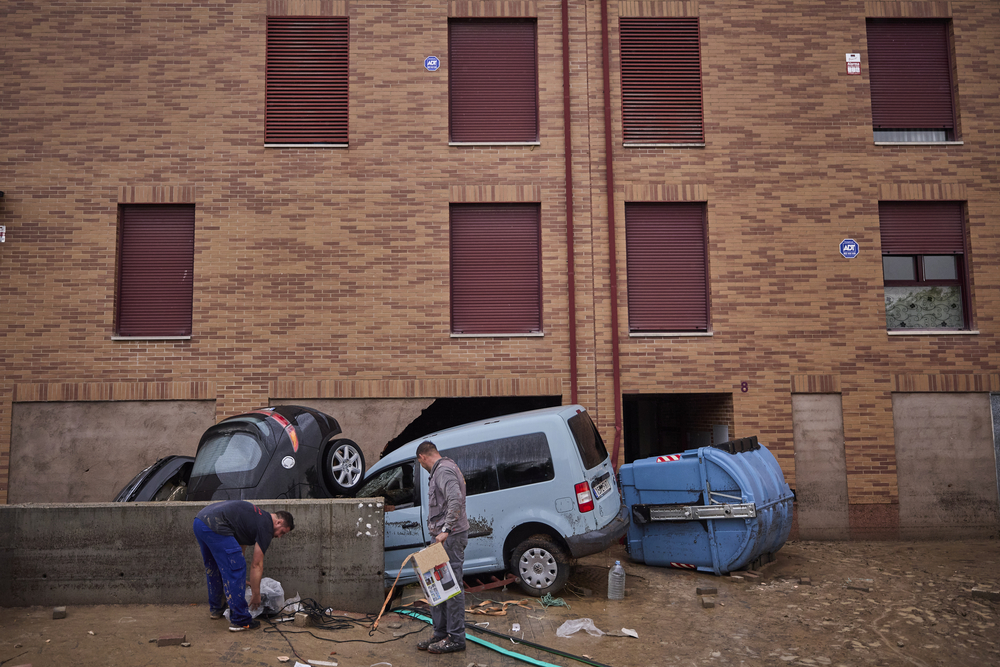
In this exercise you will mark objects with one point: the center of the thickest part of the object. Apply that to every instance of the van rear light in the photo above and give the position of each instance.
(584, 500)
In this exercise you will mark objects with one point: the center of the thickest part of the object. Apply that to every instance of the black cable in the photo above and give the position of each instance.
(323, 621)
(525, 642)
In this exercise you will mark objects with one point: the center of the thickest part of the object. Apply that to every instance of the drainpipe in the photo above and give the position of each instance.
(609, 167)
(570, 259)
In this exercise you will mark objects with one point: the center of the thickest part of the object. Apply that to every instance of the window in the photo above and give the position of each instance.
(909, 69)
(506, 463)
(396, 484)
(232, 456)
(155, 270)
(306, 87)
(661, 81)
(496, 269)
(923, 265)
(667, 267)
(588, 440)
(493, 81)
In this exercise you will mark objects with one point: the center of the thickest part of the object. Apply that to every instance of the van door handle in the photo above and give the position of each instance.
(410, 524)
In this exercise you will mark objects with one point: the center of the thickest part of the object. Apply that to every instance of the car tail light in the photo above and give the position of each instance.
(584, 500)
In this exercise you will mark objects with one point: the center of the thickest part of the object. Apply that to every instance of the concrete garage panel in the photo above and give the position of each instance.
(370, 422)
(820, 466)
(80, 452)
(946, 465)
(146, 553)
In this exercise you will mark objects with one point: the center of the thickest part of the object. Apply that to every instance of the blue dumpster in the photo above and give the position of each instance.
(714, 509)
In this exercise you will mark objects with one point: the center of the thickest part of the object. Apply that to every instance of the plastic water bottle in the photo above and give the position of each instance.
(616, 582)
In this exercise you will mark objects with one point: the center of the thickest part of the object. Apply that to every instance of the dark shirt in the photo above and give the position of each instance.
(244, 521)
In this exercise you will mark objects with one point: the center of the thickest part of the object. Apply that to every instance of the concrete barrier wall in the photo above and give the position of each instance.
(146, 553)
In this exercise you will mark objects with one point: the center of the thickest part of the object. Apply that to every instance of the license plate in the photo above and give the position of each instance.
(602, 486)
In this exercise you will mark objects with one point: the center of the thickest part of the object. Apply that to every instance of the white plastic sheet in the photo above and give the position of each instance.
(570, 627)
(272, 598)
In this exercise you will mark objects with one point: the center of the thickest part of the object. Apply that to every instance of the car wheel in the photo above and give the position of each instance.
(343, 467)
(541, 565)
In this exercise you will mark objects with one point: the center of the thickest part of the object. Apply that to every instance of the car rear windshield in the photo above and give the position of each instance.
(588, 440)
(232, 456)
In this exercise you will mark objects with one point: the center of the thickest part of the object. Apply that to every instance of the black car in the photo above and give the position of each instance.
(279, 452)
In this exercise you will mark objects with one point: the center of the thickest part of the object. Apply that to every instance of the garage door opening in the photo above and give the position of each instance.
(447, 412)
(661, 424)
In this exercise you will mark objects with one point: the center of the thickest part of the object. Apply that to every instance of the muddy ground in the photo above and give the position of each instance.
(866, 603)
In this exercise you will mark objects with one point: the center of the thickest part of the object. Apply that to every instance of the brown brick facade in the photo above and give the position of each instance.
(324, 272)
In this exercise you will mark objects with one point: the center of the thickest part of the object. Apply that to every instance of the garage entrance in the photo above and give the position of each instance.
(659, 424)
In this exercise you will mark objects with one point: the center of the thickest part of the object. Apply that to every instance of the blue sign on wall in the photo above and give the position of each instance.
(431, 63)
(849, 248)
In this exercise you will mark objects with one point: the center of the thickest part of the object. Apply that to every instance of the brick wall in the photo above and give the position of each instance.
(329, 267)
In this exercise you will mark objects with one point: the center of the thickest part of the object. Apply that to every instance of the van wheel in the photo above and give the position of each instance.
(343, 467)
(541, 565)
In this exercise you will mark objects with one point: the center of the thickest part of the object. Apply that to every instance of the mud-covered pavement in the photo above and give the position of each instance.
(867, 603)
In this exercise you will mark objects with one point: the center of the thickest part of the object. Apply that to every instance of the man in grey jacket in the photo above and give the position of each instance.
(449, 525)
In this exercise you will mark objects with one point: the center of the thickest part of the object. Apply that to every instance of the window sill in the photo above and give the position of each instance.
(919, 143)
(494, 143)
(539, 334)
(933, 332)
(670, 334)
(305, 145)
(632, 145)
(140, 338)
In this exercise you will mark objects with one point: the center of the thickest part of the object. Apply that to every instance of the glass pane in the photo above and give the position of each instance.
(232, 456)
(478, 464)
(919, 307)
(899, 267)
(524, 459)
(394, 484)
(911, 136)
(588, 440)
(940, 267)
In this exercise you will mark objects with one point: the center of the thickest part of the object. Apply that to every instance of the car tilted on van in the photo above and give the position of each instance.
(540, 487)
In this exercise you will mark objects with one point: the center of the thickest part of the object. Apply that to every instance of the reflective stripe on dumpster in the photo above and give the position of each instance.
(716, 508)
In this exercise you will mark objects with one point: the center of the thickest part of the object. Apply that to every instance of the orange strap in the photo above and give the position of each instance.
(388, 597)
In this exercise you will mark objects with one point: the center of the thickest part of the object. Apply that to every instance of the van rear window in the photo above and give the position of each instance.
(504, 463)
(588, 440)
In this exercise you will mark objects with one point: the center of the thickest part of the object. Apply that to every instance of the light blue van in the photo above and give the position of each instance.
(541, 491)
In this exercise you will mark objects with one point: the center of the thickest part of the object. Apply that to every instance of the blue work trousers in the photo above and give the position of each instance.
(226, 572)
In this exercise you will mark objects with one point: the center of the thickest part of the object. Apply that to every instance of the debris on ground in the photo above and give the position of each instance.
(573, 626)
(171, 640)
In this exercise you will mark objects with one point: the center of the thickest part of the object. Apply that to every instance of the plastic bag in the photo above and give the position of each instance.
(292, 605)
(570, 627)
(272, 595)
(272, 598)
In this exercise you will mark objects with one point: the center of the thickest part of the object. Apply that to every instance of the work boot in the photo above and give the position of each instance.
(423, 646)
(446, 645)
(217, 614)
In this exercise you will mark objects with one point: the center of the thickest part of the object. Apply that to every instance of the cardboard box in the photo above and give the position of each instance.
(435, 574)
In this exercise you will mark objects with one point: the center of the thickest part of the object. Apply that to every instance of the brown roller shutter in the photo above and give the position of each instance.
(922, 228)
(307, 76)
(492, 80)
(667, 268)
(661, 81)
(495, 268)
(155, 270)
(909, 69)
